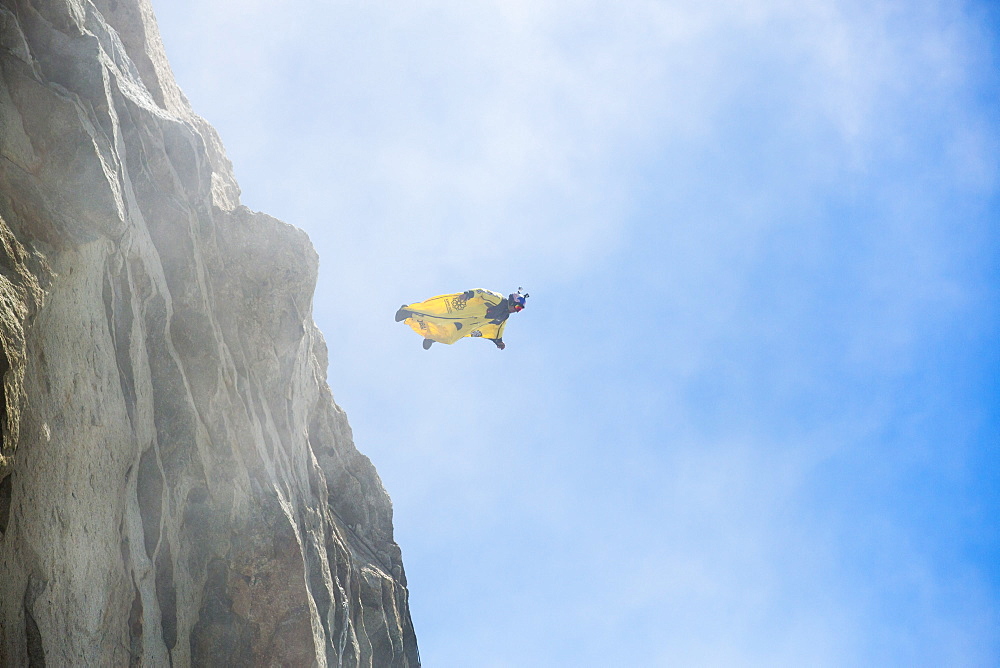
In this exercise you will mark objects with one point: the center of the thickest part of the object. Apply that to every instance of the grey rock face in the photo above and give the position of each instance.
(177, 485)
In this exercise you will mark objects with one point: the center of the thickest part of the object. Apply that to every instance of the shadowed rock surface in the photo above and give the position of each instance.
(177, 485)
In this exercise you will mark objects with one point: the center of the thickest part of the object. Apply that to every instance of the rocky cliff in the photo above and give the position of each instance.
(177, 485)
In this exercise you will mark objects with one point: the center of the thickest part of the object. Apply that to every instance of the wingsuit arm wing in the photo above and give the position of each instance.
(469, 301)
(476, 303)
(494, 332)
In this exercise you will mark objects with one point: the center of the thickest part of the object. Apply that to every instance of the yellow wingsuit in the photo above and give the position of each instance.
(437, 317)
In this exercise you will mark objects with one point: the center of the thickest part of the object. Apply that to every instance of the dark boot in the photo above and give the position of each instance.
(402, 314)
(428, 343)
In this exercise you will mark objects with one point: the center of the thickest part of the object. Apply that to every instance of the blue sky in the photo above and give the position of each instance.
(750, 416)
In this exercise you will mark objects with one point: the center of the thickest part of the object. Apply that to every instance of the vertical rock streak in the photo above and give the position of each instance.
(177, 485)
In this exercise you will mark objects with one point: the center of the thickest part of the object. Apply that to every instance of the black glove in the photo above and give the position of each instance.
(468, 294)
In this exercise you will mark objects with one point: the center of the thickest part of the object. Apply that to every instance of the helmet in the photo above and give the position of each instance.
(517, 299)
